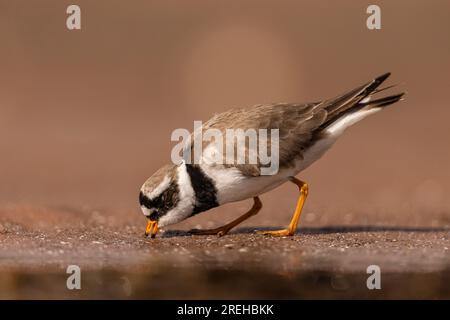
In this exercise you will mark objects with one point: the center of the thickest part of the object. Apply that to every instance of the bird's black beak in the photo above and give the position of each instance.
(152, 228)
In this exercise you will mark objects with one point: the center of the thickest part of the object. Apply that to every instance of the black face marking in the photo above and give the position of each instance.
(144, 201)
(166, 201)
(204, 188)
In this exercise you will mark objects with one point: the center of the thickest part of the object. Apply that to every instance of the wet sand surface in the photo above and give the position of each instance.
(117, 261)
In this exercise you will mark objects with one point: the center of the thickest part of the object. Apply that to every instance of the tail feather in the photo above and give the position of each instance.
(382, 102)
(358, 99)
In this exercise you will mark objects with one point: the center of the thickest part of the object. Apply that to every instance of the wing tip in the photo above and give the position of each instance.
(374, 84)
(383, 77)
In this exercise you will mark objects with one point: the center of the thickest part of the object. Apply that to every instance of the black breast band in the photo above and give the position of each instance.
(204, 189)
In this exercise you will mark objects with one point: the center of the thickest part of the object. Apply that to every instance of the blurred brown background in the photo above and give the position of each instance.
(86, 116)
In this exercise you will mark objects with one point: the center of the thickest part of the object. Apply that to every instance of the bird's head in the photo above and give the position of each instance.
(162, 199)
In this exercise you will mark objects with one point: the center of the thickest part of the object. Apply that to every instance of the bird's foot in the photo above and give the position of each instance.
(218, 232)
(278, 233)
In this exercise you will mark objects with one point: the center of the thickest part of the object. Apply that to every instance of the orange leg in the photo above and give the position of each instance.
(290, 230)
(257, 205)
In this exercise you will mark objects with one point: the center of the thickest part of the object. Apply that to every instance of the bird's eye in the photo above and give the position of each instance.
(154, 215)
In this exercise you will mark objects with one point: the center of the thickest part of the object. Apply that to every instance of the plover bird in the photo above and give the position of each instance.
(178, 191)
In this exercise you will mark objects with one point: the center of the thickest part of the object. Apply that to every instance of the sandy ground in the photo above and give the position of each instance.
(319, 261)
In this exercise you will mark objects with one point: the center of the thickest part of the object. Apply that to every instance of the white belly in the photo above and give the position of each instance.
(233, 186)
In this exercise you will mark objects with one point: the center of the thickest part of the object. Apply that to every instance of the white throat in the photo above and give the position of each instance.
(186, 202)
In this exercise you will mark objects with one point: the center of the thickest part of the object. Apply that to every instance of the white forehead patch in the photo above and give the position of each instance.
(147, 212)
